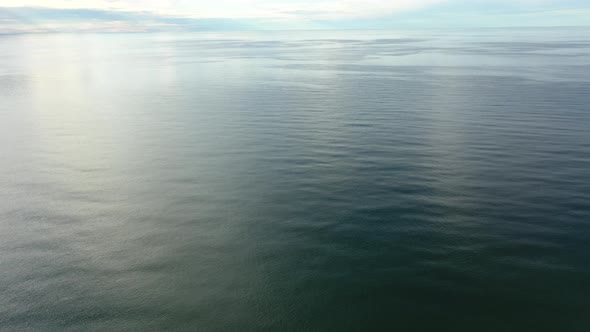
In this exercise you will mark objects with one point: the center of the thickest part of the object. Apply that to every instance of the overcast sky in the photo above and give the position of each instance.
(158, 15)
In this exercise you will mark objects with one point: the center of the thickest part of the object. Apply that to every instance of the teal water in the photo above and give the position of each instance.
(296, 181)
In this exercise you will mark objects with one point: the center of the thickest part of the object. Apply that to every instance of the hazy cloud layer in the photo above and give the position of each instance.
(144, 15)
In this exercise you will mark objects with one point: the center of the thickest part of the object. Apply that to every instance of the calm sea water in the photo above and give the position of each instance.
(296, 181)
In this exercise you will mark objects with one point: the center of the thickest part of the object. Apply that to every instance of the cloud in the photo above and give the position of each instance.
(34, 19)
(238, 8)
(148, 15)
(348, 8)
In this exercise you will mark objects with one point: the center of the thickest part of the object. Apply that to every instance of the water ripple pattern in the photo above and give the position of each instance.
(296, 181)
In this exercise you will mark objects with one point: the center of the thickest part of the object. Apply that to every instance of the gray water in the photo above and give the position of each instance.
(296, 181)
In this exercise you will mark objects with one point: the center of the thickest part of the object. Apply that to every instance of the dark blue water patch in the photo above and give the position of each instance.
(257, 185)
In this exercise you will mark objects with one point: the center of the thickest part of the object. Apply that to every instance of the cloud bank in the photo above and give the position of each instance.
(190, 15)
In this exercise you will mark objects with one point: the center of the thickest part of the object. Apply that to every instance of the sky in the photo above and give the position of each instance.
(193, 15)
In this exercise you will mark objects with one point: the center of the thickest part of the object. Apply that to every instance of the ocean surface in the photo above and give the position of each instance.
(296, 181)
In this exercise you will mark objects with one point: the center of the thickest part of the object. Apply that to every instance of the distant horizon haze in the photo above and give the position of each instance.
(30, 16)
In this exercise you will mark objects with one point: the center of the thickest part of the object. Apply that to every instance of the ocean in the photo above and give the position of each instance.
(296, 181)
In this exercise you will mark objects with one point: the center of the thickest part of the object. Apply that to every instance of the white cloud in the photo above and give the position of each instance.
(303, 9)
(155, 15)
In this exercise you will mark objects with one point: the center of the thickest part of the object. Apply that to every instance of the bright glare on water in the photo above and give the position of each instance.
(296, 181)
